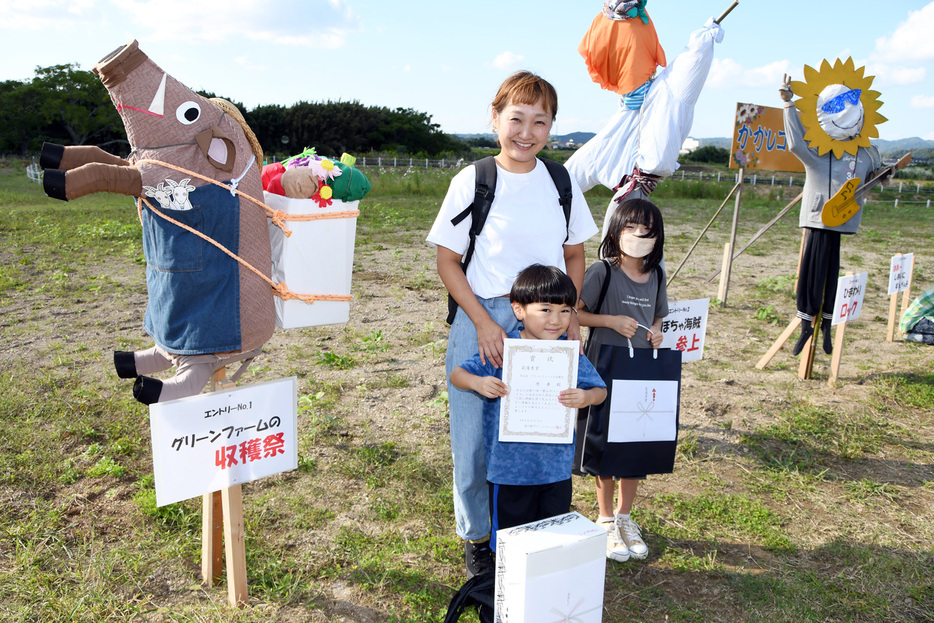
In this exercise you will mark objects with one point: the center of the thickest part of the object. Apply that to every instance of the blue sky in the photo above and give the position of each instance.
(447, 58)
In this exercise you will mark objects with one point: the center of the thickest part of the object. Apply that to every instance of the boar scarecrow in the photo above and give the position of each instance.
(195, 171)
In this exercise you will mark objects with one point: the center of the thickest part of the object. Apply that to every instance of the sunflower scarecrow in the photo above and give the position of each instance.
(828, 129)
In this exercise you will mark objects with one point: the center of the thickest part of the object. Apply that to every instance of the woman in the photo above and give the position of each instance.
(526, 225)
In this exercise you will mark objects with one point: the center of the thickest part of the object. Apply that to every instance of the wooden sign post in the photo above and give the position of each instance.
(795, 321)
(207, 445)
(900, 275)
(222, 530)
(847, 306)
(728, 248)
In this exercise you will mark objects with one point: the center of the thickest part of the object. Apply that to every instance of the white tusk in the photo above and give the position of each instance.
(158, 102)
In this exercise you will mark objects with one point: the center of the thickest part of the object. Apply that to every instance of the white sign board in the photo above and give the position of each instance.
(535, 372)
(900, 272)
(848, 304)
(213, 441)
(685, 327)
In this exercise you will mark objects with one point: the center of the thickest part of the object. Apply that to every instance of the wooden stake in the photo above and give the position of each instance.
(212, 534)
(235, 546)
(893, 309)
(725, 272)
(837, 354)
(807, 355)
(767, 357)
(725, 279)
(222, 529)
(212, 520)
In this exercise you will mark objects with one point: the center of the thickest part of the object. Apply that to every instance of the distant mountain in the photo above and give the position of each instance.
(903, 144)
(579, 138)
(720, 141)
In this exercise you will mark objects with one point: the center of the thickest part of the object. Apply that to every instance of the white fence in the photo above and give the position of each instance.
(34, 173)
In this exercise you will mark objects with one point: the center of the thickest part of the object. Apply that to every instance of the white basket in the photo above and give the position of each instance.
(316, 259)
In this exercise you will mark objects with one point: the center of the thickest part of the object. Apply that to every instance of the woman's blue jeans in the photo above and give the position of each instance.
(471, 495)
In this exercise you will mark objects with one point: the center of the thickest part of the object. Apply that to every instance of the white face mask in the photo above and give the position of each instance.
(840, 112)
(634, 246)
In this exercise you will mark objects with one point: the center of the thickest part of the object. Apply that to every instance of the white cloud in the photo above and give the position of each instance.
(922, 101)
(508, 61)
(311, 23)
(729, 73)
(895, 74)
(911, 40)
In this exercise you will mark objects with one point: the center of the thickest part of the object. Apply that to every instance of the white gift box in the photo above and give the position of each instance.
(551, 571)
(316, 259)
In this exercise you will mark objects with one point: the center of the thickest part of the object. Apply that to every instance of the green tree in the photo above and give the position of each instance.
(76, 106)
(20, 120)
(708, 154)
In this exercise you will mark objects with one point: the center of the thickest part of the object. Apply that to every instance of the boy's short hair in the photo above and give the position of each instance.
(543, 284)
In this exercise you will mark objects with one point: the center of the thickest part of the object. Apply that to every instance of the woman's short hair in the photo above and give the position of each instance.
(543, 284)
(524, 87)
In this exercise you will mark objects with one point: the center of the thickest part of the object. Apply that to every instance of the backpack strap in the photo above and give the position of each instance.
(479, 209)
(600, 299)
(562, 181)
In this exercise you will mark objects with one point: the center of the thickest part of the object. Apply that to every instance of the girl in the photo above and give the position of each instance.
(633, 306)
(526, 225)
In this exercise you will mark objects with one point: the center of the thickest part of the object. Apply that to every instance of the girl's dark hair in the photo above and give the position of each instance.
(543, 284)
(637, 211)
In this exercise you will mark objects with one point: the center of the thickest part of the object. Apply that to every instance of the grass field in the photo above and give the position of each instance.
(790, 500)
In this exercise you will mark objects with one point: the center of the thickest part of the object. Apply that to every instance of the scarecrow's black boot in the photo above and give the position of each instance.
(825, 329)
(807, 330)
(51, 155)
(147, 390)
(125, 363)
(53, 183)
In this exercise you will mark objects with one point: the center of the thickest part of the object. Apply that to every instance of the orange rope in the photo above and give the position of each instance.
(279, 289)
(278, 217)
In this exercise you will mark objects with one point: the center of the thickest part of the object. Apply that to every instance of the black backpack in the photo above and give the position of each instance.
(478, 591)
(483, 200)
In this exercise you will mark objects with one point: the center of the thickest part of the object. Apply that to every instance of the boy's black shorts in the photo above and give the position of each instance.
(514, 505)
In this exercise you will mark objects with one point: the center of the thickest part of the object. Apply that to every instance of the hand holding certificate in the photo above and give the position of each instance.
(535, 373)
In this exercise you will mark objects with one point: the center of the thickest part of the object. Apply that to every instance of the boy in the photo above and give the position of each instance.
(530, 481)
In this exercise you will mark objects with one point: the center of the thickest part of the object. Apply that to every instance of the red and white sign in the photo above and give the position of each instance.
(213, 441)
(849, 302)
(900, 272)
(685, 327)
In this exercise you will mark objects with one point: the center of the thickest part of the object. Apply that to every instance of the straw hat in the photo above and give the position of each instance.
(235, 113)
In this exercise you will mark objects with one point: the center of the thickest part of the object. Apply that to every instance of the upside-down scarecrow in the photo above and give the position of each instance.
(641, 142)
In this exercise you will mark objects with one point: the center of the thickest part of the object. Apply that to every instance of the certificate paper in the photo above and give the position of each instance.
(535, 372)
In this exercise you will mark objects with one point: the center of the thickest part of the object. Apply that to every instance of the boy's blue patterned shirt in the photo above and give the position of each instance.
(520, 463)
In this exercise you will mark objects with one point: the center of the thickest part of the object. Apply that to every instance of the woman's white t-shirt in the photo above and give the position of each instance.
(525, 226)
